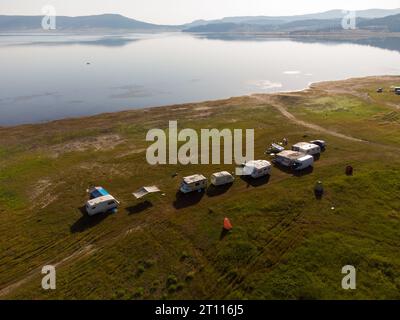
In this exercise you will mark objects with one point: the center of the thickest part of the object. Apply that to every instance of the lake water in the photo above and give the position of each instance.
(51, 77)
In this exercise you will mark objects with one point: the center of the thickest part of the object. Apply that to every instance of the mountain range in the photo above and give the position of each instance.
(83, 23)
(387, 20)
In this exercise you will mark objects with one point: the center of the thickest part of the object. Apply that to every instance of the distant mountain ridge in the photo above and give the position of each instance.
(63, 23)
(372, 19)
(386, 24)
(276, 20)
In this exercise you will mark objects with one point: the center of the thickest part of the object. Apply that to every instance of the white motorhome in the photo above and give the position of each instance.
(101, 205)
(294, 160)
(257, 168)
(303, 163)
(222, 178)
(193, 183)
(321, 143)
(307, 148)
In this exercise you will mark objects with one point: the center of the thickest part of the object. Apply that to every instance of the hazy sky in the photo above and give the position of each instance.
(182, 11)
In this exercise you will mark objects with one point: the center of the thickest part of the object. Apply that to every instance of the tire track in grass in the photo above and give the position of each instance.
(85, 251)
(269, 100)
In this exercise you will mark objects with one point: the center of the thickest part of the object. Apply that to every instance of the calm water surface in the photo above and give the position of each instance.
(51, 77)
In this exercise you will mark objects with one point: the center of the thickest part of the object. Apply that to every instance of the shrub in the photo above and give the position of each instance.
(190, 276)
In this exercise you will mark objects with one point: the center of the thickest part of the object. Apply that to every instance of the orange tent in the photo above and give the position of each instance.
(227, 224)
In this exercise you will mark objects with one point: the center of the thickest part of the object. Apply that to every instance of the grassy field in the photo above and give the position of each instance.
(285, 244)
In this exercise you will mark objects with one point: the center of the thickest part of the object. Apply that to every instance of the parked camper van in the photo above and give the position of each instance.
(294, 160)
(397, 90)
(307, 148)
(101, 205)
(320, 143)
(303, 163)
(257, 168)
(193, 183)
(221, 178)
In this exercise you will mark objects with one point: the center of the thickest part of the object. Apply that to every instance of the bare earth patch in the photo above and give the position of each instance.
(203, 108)
(42, 193)
(99, 143)
(130, 152)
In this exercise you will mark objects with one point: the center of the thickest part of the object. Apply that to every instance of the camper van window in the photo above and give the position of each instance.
(110, 203)
(197, 184)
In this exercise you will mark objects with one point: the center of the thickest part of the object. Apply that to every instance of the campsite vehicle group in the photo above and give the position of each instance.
(299, 158)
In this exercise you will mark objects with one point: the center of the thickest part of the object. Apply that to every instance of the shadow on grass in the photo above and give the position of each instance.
(187, 200)
(223, 234)
(304, 172)
(289, 170)
(255, 182)
(318, 194)
(282, 168)
(214, 191)
(86, 222)
(142, 206)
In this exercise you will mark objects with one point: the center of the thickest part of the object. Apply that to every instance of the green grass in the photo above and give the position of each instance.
(285, 244)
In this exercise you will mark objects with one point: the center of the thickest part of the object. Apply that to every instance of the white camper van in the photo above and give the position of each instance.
(303, 163)
(295, 160)
(193, 183)
(321, 143)
(307, 148)
(257, 168)
(222, 178)
(101, 205)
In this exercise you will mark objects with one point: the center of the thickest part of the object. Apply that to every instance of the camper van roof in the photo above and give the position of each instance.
(305, 158)
(292, 155)
(194, 178)
(97, 192)
(305, 145)
(99, 200)
(221, 174)
(258, 164)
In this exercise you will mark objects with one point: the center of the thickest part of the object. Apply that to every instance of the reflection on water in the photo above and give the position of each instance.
(390, 43)
(57, 76)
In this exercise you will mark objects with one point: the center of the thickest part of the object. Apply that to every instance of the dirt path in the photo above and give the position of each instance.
(89, 249)
(269, 100)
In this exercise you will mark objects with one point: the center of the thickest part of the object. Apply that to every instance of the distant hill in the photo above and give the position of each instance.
(294, 26)
(278, 24)
(390, 24)
(84, 23)
(279, 20)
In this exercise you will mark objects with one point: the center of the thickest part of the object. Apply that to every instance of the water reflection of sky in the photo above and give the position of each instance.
(51, 77)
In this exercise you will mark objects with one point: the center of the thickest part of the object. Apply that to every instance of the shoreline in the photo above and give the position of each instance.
(311, 86)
